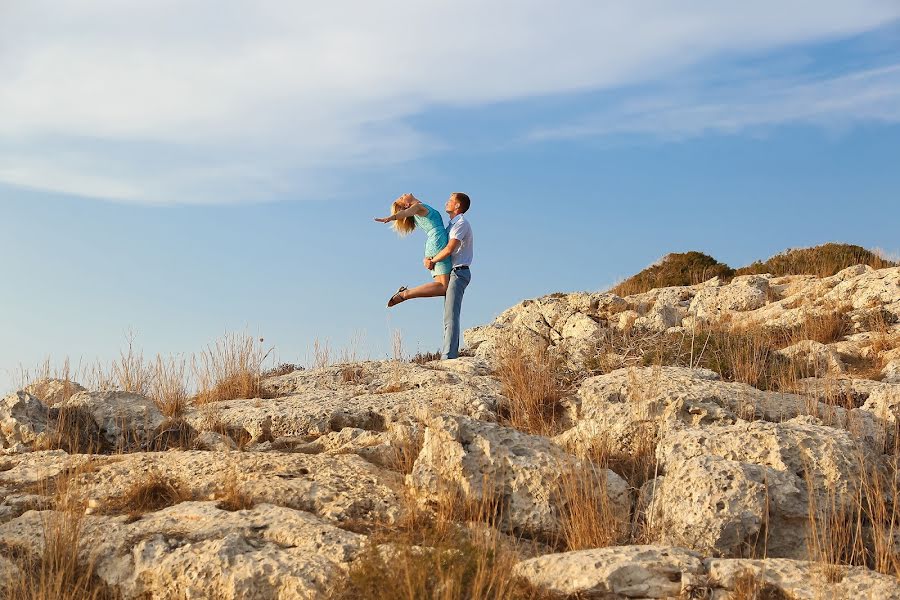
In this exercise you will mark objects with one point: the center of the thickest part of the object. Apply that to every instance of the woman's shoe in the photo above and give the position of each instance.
(396, 298)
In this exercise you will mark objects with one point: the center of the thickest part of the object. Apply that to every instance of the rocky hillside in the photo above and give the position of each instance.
(721, 440)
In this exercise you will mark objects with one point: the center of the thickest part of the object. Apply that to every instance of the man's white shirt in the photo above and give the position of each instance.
(459, 229)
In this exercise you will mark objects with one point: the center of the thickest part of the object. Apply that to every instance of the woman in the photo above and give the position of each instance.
(407, 213)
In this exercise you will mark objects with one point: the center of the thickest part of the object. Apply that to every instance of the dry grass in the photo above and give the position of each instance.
(168, 387)
(534, 384)
(353, 374)
(74, 431)
(431, 555)
(586, 514)
(281, 369)
(152, 491)
(829, 325)
(422, 358)
(130, 373)
(822, 261)
(752, 586)
(863, 533)
(58, 569)
(231, 497)
(229, 369)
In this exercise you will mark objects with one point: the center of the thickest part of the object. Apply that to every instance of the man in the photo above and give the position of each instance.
(460, 249)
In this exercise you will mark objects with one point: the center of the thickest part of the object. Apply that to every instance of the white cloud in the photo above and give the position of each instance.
(870, 95)
(227, 100)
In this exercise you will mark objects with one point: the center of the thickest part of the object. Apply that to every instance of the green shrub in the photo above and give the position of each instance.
(688, 268)
(821, 261)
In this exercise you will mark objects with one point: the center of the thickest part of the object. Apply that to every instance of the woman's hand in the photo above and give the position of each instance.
(385, 219)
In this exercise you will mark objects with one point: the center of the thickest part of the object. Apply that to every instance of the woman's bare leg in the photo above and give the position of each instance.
(438, 287)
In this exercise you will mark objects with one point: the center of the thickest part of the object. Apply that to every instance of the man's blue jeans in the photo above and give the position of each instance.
(459, 280)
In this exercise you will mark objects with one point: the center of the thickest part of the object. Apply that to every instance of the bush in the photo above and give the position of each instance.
(689, 268)
(822, 261)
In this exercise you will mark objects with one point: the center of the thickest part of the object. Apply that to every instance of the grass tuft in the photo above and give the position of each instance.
(151, 492)
(534, 384)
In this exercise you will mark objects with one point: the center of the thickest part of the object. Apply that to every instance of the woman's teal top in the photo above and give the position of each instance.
(433, 226)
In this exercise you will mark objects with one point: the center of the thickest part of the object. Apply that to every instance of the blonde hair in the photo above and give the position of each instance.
(402, 226)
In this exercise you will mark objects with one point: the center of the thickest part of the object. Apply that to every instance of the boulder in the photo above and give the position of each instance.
(370, 396)
(754, 485)
(609, 409)
(817, 356)
(53, 391)
(891, 372)
(743, 294)
(23, 420)
(336, 488)
(720, 507)
(126, 420)
(475, 462)
(196, 550)
(618, 572)
(867, 287)
(214, 442)
(802, 580)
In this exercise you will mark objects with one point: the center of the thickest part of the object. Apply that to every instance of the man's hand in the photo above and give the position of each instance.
(429, 264)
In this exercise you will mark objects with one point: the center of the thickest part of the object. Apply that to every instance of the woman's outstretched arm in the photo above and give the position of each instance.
(416, 209)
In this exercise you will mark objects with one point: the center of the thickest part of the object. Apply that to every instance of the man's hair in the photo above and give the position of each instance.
(464, 201)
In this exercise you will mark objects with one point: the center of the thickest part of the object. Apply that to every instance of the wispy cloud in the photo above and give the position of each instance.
(865, 96)
(226, 101)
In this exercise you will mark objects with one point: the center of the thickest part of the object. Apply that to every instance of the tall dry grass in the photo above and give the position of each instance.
(587, 517)
(230, 368)
(58, 569)
(534, 383)
(864, 531)
(455, 552)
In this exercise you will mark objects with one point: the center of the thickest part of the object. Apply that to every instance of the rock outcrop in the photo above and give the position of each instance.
(669, 572)
(468, 461)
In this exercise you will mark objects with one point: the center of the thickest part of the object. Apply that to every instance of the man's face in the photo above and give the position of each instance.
(452, 205)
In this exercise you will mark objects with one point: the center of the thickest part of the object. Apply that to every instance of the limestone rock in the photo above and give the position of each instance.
(369, 396)
(337, 488)
(53, 391)
(863, 288)
(891, 372)
(23, 420)
(803, 580)
(819, 357)
(478, 462)
(618, 572)
(214, 442)
(740, 477)
(125, 419)
(194, 549)
(611, 408)
(741, 295)
(718, 506)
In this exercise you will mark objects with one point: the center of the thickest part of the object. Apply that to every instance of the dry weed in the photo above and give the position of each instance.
(534, 384)
(230, 369)
(753, 586)
(431, 555)
(586, 514)
(58, 568)
(152, 491)
(169, 387)
(231, 497)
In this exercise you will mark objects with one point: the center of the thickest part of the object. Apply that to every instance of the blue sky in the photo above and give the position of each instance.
(180, 183)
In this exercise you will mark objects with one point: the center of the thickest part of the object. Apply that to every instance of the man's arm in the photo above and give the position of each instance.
(449, 249)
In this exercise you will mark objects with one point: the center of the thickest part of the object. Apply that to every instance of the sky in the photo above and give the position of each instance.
(179, 169)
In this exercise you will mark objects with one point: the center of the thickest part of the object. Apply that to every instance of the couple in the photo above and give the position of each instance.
(448, 254)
